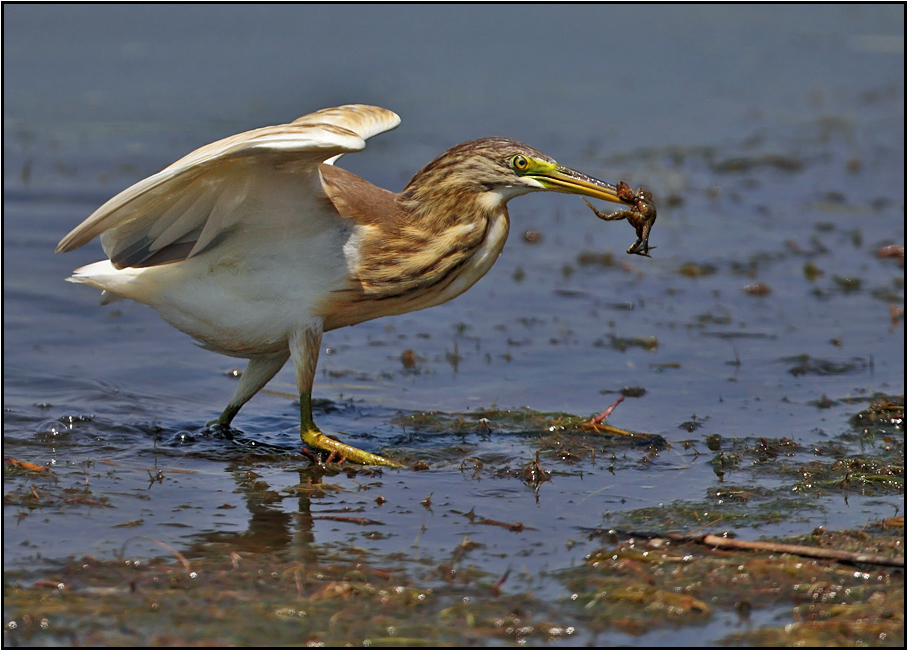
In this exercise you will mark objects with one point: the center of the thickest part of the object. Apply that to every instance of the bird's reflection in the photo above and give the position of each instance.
(272, 526)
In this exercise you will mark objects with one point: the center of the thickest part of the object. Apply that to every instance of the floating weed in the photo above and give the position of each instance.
(562, 437)
(867, 459)
(645, 581)
(43, 489)
(596, 258)
(886, 411)
(232, 599)
(807, 365)
(811, 271)
(852, 475)
(226, 591)
(623, 343)
(847, 284)
(876, 621)
(694, 270)
(752, 511)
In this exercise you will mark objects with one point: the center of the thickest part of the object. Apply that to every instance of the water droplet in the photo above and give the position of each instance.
(51, 429)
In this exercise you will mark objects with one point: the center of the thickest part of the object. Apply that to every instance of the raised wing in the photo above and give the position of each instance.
(178, 212)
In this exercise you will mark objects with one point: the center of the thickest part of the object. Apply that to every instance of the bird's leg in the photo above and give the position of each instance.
(257, 374)
(304, 348)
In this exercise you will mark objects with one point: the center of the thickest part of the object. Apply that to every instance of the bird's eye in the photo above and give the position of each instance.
(520, 163)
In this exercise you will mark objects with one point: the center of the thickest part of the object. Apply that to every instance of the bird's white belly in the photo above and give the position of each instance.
(245, 295)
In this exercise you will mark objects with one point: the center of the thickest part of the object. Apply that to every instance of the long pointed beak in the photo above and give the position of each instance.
(564, 179)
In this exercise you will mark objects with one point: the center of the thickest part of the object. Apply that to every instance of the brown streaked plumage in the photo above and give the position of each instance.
(258, 243)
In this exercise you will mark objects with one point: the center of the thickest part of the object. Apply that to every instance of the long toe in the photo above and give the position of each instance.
(315, 439)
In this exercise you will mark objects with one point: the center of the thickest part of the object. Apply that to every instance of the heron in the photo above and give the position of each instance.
(258, 243)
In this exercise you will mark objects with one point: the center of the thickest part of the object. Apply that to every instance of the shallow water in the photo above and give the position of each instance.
(772, 139)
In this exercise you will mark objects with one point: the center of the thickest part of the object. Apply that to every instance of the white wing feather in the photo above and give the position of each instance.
(182, 209)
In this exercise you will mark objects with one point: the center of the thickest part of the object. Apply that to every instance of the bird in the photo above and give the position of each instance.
(256, 244)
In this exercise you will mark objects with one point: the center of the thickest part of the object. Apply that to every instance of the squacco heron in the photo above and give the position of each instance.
(257, 244)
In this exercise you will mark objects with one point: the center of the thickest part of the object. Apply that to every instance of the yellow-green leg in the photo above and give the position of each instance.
(257, 374)
(315, 439)
(304, 347)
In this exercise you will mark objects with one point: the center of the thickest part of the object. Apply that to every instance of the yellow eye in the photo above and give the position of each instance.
(520, 163)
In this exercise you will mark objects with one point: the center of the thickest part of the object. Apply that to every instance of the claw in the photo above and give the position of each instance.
(315, 439)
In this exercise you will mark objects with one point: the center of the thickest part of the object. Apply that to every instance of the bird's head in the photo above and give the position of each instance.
(492, 171)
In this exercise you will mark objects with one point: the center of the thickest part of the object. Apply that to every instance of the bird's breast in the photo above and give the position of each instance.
(410, 268)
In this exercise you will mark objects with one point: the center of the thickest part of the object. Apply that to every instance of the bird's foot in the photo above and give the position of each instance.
(225, 418)
(315, 439)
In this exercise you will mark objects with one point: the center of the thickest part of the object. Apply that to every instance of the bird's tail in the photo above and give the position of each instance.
(103, 275)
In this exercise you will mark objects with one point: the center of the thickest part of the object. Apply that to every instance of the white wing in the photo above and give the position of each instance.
(181, 210)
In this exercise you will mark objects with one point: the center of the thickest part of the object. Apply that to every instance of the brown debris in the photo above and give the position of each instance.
(896, 251)
(722, 542)
(605, 414)
(25, 465)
